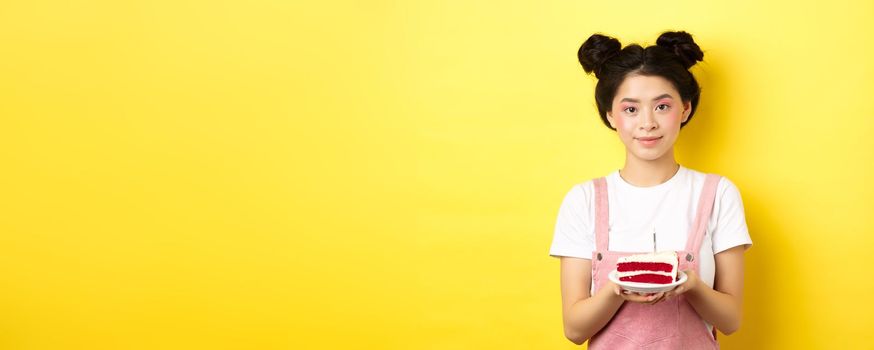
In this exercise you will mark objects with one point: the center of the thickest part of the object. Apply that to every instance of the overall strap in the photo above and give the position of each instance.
(602, 215)
(705, 207)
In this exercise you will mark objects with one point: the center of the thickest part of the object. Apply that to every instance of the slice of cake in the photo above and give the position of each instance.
(657, 268)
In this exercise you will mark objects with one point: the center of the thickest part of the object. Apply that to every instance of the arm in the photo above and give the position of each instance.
(584, 315)
(720, 305)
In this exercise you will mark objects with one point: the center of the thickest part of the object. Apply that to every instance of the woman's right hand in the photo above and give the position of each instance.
(628, 295)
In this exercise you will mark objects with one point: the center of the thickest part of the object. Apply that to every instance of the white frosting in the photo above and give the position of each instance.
(669, 257)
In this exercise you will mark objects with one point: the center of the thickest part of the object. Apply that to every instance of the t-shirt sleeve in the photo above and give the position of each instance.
(572, 235)
(731, 227)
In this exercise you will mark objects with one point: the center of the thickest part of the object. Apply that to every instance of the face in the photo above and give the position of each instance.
(647, 112)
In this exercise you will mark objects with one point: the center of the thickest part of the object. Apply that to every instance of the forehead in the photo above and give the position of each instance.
(645, 88)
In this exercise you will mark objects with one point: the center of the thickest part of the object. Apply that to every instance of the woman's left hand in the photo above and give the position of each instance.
(692, 282)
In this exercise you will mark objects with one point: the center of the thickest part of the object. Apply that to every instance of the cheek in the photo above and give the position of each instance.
(619, 121)
(625, 129)
(671, 120)
(677, 118)
(625, 124)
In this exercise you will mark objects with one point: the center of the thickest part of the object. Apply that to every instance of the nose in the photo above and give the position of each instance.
(648, 122)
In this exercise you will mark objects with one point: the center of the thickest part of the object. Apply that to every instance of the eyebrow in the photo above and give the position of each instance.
(659, 97)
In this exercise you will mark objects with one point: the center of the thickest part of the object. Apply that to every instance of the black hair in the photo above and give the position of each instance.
(670, 58)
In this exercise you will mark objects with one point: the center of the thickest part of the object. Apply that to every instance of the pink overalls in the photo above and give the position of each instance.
(669, 324)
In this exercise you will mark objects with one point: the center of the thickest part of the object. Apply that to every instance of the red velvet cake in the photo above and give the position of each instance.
(656, 268)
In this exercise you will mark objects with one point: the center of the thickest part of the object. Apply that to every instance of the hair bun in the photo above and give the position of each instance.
(682, 45)
(596, 50)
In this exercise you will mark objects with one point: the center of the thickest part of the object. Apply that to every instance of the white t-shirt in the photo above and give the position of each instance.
(670, 207)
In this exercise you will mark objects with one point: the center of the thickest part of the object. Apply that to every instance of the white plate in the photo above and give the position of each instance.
(646, 287)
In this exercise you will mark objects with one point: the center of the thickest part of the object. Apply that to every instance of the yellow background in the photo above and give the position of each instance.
(387, 174)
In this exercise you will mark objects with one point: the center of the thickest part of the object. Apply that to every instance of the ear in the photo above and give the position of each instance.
(610, 119)
(687, 110)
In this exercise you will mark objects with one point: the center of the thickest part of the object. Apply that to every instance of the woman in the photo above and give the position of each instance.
(647, 95)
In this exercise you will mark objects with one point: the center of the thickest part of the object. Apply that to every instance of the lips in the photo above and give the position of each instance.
(649, 141)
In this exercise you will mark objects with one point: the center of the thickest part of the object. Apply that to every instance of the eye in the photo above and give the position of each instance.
(627, 109)
(663, 109)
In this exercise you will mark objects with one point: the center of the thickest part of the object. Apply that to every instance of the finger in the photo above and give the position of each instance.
(676, 291)
(639, 298)
(635, 298)
(657, 298)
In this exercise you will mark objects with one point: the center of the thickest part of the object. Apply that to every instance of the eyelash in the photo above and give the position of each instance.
(663, 104)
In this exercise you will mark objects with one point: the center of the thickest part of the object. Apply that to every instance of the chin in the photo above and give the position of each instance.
(649, 156)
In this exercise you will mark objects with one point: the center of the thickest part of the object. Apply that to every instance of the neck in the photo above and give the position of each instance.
(648, 173)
